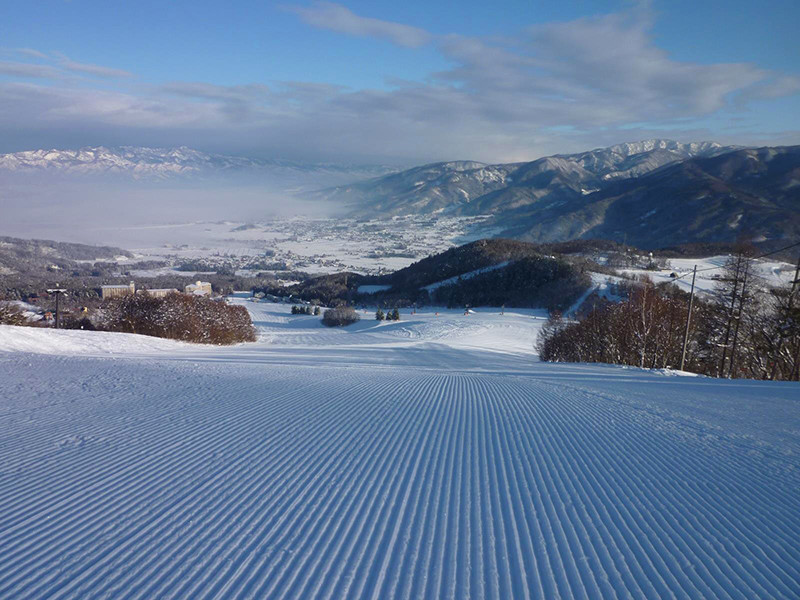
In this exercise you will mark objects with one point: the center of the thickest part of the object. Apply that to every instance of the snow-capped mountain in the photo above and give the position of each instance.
(653, 193)
(426, 189)
(163, 163)
(633, 159)
(466, 187)
(747, 194)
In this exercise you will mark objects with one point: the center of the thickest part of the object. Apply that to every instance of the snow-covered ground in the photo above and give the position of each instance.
(468, 275)
(767, 272)
(323, 245)
(601, 287)
(428, 458)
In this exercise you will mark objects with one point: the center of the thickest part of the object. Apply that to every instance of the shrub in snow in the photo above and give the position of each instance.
(340, 316)
(743, 332)
(73, 322)
(645, 330)
(379, 315)
(10, 314)
(180, 317)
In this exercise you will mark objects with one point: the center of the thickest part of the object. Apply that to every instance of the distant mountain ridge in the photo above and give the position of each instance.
(633, 159)
(749, 194)
(653, 194)
(470, 188)
(141, 162)
(30, 255)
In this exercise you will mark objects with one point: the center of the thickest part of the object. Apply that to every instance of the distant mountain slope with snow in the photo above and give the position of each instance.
(465, 187)
(653, 194)
(32, 257)
(749, 194)
(163, 163)
(421, 190)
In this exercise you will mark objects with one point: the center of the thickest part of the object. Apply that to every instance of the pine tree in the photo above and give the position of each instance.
(379, 315)
(395, 315)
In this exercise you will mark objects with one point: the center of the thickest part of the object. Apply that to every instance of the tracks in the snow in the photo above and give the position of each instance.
(150, 480)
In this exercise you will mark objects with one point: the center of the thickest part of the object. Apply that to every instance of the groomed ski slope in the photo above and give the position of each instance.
(430, 458)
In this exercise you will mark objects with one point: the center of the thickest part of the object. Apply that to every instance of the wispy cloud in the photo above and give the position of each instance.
(208, 91)
(328, 15)
(96, 70)
(31, 53)
(18, 69)
(55, 66)
(774, 87)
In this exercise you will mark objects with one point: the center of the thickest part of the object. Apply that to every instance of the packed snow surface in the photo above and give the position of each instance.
(469, 275)
(371, 289)
(432, 457)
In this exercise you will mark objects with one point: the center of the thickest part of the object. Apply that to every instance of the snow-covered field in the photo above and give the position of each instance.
(765, 272)
(428, 458)
(324, 245)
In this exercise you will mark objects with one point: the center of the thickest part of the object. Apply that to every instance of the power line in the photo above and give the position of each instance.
(779, 250)
(753, 258)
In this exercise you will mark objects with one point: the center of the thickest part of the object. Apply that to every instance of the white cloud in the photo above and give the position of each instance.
(774, 87)
(327, 15)
(97, 70)
(612, 59)
(31, 53)
(18, 69)
(222, 93)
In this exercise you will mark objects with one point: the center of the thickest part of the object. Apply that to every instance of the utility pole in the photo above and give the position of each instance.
(795, 281)
(688, 319)
(795, 374)
(731, 313)
(57, 292)
(738, 320)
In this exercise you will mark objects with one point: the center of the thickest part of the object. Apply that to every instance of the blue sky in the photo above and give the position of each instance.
(397, 82)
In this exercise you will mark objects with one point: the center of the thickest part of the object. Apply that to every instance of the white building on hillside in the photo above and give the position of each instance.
(115, 291)
(198, 288)
(160, 292)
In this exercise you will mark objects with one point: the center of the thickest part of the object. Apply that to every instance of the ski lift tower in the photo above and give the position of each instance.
(57, 291)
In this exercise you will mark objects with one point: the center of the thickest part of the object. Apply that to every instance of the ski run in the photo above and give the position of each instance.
(433, 457)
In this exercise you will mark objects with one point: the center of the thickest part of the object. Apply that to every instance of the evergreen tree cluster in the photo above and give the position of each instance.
(305, 310)
(393, 315)
(527, 277)
(535, 281)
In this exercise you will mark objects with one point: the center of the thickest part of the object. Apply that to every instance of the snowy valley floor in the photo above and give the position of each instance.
(430, 458)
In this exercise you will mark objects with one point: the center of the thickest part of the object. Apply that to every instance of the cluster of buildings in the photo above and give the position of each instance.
(198, 288)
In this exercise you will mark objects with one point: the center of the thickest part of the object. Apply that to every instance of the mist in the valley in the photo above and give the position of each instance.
(108, 210)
